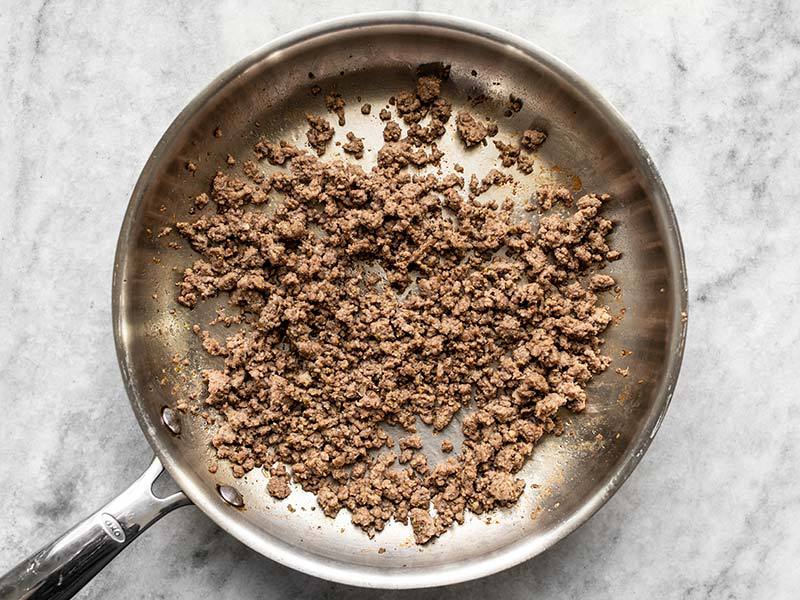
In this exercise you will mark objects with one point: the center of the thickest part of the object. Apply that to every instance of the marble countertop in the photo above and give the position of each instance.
(712, 510)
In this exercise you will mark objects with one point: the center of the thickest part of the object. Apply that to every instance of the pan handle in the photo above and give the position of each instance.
(64, 566)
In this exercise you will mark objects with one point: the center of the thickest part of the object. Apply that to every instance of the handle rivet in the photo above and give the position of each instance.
(230, 495)
(171, 420)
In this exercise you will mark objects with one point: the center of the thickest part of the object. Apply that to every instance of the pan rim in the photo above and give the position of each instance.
(517, 552)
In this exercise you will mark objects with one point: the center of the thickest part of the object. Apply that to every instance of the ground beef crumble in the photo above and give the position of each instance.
(394, 297)
(354, 145)
(335, 103)
(276, 154)
(532, 139)
(392, 132)
(492, 178)
(470, 130)
(319, 134)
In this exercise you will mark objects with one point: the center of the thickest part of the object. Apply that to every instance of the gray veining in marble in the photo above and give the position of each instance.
(713, 511)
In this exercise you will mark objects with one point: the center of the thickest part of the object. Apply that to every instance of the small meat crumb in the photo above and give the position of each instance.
(335, 103)
(422, 525)
(509, 154)
(471, 131)
(278, 485)
(276, 154)
(354, 145)
(532, 139)
(525, 164)
(601, 281)
(493, 177)
(366, 108)
(413, 441)
(392, 132)
(319, 133)
(548, 196)
(428, 88)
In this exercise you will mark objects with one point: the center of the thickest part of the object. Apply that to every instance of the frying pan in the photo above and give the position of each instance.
(368, 58)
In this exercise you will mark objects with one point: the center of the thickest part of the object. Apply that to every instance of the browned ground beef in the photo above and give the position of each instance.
(391, 297)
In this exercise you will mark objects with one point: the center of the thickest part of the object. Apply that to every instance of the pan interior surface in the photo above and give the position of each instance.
(589, 149)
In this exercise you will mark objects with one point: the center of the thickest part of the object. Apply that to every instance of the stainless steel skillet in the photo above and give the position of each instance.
(368, 58)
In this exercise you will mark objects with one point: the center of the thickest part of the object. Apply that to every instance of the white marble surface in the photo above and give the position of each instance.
(713, 511)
